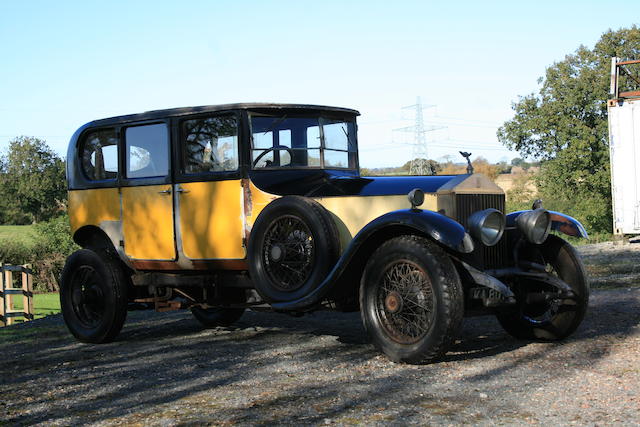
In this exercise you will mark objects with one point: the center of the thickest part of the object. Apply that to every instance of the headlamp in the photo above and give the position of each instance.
(487, 226)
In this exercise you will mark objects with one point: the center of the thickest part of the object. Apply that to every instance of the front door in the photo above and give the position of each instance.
(147, 194)
(210, 196)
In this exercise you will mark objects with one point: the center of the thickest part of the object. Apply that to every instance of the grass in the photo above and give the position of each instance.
(25, 234)
(43, 304)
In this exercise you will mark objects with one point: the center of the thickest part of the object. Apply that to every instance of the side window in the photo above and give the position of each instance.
(210, 144)
(147, 151)
(99, 154)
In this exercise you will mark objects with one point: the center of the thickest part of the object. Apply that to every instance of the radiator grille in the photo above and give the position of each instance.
(466, 204)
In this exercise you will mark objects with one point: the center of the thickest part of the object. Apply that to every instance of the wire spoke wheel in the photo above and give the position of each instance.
(87, 296)
(294, 244)
(411, 300)
(288, 252)
(405, 302)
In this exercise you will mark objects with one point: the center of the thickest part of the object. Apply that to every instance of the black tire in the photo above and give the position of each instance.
(293, 246)
(549, 321)
(93, 296)
(411, 300)
(214, 317)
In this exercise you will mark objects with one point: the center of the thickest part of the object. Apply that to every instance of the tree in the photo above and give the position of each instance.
(518, 161)
(564, 125)
(32, 181)
(480, 165)
(433, 166)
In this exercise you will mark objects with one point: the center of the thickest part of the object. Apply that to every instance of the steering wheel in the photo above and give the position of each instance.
(274, 148)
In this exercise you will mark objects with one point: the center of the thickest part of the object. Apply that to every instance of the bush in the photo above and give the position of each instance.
(55, 236)
(46, 257)
(16, 252)
(53, 247)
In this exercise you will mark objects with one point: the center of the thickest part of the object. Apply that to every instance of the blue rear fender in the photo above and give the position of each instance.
(436, 227)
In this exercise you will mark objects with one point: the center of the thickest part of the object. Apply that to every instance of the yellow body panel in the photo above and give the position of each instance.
(147, 222)
(211, 220)
(352, 213)
(92, 207)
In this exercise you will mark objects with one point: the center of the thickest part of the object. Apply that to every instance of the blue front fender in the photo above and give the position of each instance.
(437, 227)
(559, 222)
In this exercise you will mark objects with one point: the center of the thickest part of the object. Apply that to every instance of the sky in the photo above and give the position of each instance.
(65, 63)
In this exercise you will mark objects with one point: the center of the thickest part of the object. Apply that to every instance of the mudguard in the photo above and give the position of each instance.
(440, 228)
(559, 222)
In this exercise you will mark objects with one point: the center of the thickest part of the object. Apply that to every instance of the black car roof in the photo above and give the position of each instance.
(173, 112)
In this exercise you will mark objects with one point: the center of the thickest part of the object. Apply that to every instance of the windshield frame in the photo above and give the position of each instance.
(322, 118)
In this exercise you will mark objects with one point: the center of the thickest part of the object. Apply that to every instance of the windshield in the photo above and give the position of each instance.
(303, 142)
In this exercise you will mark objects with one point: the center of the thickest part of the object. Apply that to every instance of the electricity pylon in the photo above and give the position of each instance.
(420, 157)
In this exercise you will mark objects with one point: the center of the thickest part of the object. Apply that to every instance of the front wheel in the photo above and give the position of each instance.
(555, 319)
(93, 296)
(411, 300)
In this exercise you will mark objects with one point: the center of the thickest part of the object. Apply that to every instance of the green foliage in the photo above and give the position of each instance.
(32, 182)
(16, 252)
(503, 167)
(47, 254)
(55, 235)
(520, 162)
(564, 124)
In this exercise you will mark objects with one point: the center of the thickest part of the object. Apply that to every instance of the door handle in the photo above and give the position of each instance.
(165, 192)
(181, 190)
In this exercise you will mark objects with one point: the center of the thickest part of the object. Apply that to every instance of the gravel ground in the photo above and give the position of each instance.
(275, 369)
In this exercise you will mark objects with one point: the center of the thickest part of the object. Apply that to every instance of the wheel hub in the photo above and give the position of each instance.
(393, 302)
(276, 253)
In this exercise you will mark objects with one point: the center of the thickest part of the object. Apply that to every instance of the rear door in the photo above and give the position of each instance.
(147, 194)
(209, 194)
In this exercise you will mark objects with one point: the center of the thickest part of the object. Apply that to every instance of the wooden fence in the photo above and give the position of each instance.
(7, 292)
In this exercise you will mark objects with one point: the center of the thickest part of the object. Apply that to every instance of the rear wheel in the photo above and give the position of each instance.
(213, 317)
(411, 300)
(554, 319)
(93, 296)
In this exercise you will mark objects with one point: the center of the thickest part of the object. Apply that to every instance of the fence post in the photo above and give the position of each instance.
(8, 297)
(27, 293)
(3, 304)
(7, 312)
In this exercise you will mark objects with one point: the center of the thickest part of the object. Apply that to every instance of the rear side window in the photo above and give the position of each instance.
(147, 151)
(100, 155)
(210, 144)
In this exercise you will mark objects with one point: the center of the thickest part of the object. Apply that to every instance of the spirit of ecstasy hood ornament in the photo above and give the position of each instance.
(469, 165)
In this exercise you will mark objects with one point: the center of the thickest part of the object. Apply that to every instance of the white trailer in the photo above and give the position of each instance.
(624, 146)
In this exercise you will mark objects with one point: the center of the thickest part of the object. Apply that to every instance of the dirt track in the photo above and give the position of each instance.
(319, 369)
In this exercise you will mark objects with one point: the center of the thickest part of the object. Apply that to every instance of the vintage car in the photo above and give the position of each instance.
(224, 208)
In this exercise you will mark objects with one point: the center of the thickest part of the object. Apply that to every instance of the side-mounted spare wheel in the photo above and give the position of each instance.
(411, 300)
(93, 296)
(293, 246)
